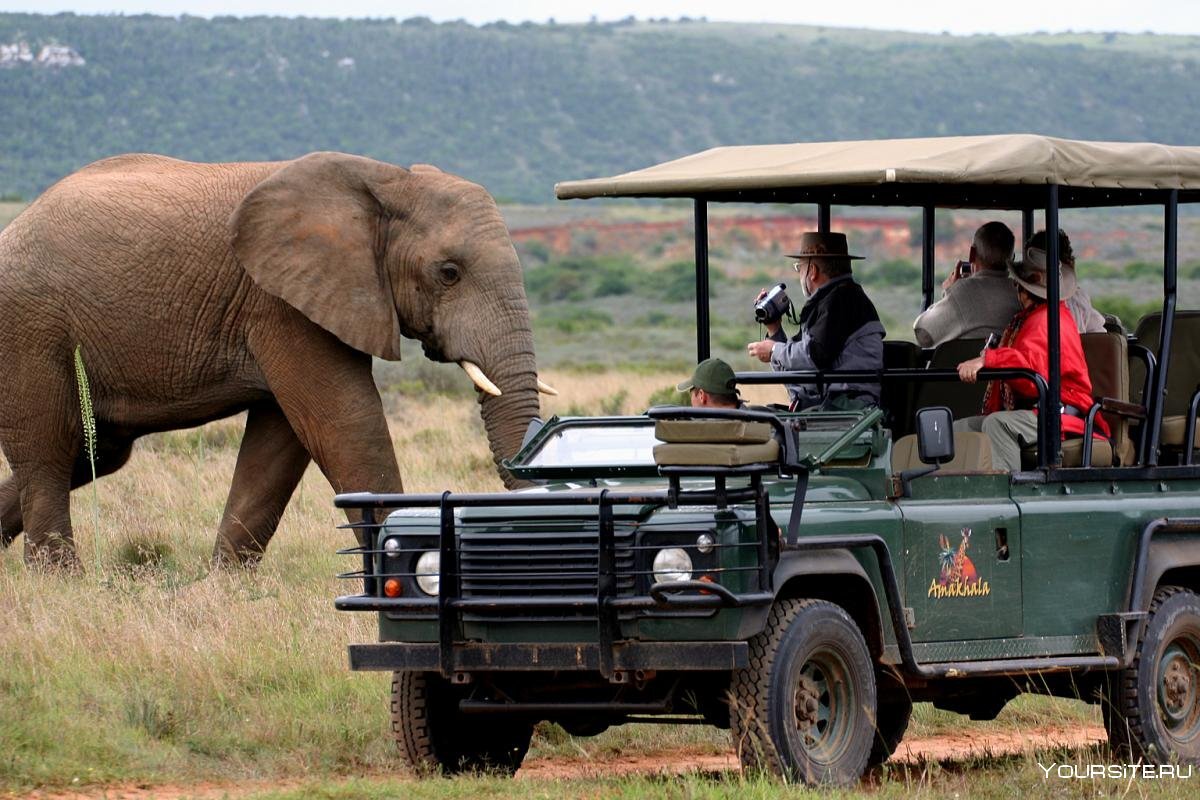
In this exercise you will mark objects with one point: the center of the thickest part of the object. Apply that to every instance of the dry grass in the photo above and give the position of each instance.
(150, 668)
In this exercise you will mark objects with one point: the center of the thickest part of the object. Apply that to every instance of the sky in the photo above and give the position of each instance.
(932, 16)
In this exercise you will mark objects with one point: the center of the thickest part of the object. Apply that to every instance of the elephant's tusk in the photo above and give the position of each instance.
(481, 380)
(546, 388)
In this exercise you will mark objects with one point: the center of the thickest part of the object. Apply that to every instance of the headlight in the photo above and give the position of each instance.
(672, 564)
(391, 546)
(429, 565)
(705, 543)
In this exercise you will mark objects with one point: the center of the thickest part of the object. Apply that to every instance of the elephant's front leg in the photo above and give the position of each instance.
(328, 394)
(270, 464)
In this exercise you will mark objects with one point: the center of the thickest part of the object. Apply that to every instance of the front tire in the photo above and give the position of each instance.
(1152, 711)
(805, 707)
(434, 736)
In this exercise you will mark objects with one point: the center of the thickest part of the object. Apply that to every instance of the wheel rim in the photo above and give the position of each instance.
(824, 705)
(1179, 687)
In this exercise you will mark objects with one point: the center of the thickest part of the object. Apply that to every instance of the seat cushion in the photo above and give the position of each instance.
(1072, 452)
(972, 453)
(1172, 432)
(715, 454)
(712, 430)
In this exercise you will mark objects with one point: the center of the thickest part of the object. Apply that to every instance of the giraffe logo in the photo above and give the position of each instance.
(958, 577)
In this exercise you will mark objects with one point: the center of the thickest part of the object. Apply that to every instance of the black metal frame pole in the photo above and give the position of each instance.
(1156, 402)
(928, 218)
(1027, 223)
(1053, 417)
(702, 339)
(823, 217)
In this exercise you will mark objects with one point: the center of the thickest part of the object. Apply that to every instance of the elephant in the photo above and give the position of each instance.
(198, 291)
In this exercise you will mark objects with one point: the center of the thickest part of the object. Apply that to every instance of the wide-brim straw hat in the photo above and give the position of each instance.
(1030, 274)
(822, 245)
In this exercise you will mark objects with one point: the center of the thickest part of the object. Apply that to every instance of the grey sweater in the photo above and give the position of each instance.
(972, 308)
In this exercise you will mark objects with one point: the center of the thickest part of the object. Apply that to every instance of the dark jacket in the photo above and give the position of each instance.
(839, 330)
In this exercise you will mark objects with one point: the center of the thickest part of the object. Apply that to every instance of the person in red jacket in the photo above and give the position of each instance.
(1008, 417)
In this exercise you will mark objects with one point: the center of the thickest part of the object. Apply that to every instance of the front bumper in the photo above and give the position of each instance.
(580, 657)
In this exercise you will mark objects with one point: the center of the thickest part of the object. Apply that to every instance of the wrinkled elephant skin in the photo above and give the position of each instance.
(197, 291)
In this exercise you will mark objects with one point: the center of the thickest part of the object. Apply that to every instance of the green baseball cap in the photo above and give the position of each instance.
(713, 376)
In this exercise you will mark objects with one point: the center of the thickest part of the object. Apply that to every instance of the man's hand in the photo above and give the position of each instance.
(761, 350)
(950, 280)
(968, 371)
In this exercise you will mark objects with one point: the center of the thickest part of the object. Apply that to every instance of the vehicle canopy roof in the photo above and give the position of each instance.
(913, 167)
(1014, 171)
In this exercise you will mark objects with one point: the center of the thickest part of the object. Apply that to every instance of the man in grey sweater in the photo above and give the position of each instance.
(979, 304)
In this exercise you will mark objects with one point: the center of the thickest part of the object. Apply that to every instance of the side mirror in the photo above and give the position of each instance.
(935, 435)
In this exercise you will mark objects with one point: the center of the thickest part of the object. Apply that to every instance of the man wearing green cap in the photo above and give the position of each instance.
(712, 385)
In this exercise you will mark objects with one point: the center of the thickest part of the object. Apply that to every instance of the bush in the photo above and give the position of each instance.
(670, 396)
(893, 272)
(1129, 311)
(581, 278)
(575, 320)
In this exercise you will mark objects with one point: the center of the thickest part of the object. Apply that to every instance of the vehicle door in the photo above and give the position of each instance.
(961, 560)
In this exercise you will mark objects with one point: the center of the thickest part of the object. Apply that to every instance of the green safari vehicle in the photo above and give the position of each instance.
(803, 578)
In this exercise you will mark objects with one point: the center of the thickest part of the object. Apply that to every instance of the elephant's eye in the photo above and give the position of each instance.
(448, 273)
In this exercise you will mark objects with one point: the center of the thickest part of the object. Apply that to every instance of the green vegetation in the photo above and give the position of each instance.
(518, 107)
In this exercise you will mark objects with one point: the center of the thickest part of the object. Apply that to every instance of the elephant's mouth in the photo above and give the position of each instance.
(433, 353)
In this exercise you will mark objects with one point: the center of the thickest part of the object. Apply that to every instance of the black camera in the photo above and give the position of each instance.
(773, 305)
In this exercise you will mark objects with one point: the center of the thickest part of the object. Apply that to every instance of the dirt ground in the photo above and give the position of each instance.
(946, 748)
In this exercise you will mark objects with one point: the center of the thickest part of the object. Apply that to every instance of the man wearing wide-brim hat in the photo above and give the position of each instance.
(1008, 417)
(839, 328)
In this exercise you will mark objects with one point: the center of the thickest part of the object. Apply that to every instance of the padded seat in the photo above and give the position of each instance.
(972, 453)
(715, 454)
(963, 399)
(1183, 371)
(731, 431)
(1072, 454)
(1173, 430)
(1107, 356)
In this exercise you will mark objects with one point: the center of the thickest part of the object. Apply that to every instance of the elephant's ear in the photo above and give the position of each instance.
(311, 235)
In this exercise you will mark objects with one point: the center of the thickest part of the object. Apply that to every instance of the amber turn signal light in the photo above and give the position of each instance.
(392, 588)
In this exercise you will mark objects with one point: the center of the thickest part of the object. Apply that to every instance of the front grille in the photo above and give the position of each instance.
(539, 560)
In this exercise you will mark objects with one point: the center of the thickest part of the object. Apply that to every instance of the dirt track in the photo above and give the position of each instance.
(950, 747)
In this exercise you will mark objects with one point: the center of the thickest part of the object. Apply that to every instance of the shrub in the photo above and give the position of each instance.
(575, 320)
(1128, 310)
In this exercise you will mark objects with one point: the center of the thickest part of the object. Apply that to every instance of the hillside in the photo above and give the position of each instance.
(519, 107)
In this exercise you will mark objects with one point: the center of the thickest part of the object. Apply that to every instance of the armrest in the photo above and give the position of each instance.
(1121, 408)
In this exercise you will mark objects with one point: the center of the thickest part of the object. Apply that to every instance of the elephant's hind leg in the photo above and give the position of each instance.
(10, 511)
(46, 512)
(270, 464)
(112, 453)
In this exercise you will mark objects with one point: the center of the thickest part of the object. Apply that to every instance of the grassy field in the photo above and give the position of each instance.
(151, 670)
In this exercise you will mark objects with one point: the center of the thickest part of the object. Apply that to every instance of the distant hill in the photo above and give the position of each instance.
(520, 107)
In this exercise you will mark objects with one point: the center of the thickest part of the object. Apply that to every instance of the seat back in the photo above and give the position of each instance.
(1107, 360)
(897, 397)
(963, 399)
(1183, 373)
(972, 453)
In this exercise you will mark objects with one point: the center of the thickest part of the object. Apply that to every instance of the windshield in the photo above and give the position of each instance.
(597, 446)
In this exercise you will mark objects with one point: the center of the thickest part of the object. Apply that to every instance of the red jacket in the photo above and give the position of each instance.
(1029, 350)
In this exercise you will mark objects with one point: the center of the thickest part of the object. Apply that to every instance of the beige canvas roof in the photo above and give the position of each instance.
(997, 160)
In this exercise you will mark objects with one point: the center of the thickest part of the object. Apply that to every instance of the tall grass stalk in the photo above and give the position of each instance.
(88, 414)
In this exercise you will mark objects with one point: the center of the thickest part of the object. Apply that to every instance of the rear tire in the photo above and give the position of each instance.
(1152, 711)
(805, 707)
(434, 736)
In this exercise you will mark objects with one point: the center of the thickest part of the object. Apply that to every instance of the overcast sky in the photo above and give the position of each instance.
(956, 16)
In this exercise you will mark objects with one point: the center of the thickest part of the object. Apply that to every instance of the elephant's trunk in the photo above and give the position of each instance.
(506, 417)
